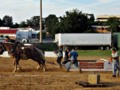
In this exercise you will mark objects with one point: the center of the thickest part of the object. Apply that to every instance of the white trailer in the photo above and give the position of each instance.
(103, 40)
(27, 35)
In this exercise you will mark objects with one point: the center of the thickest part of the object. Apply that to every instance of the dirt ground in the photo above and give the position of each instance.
(53, 79)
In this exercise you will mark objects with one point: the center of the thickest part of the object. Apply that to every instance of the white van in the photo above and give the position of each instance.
(27, 35)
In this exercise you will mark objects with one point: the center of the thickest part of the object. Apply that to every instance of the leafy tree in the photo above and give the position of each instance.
(23, 24)
(114, 24)
(50, 22)
(1, 22)
(73, 22)
(7, 21)
(90, 22)
(16, 25)
(34, 22)
(29, 22)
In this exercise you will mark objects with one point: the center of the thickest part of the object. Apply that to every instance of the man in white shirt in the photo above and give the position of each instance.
(59, 53)
(115, 62)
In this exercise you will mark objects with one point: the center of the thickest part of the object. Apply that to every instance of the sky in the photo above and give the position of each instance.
(21, 10)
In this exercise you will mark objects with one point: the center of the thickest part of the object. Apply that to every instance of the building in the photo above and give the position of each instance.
(104, 18)
(6, 31)
(101, 29)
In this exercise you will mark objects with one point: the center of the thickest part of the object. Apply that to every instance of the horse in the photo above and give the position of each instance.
(20, 51)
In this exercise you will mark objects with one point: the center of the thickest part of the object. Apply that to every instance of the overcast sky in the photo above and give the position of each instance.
(21, 10)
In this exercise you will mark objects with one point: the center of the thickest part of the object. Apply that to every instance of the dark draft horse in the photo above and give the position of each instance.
(20, 51)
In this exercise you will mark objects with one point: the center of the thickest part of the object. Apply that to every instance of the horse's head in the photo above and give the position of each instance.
(2, 48)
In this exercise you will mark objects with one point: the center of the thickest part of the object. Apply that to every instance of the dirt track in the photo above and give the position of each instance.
(54, 79)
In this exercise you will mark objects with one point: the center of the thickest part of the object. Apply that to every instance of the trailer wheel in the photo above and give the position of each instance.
(24, 40)
(107, 48)
(101, 48)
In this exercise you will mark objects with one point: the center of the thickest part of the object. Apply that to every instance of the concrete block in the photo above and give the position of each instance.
(94, 79)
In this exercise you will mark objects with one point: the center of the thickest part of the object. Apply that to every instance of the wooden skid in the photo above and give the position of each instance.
(86, 84)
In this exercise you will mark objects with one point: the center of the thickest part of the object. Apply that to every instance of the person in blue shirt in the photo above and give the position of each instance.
(73, 59)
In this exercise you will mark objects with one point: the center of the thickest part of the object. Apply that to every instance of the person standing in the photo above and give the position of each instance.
(115, 62)
(73, 57)
(66, 57)
(59, 53)
(66, 53)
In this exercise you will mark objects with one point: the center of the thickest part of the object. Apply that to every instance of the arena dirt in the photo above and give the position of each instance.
(53, 79)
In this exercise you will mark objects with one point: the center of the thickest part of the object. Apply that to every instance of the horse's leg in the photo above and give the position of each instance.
(41, 65)
(17, 67)
(44, 68)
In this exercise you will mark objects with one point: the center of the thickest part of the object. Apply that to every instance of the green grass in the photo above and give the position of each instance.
(94, 52)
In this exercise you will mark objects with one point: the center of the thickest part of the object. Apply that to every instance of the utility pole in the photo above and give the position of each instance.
(40, 21)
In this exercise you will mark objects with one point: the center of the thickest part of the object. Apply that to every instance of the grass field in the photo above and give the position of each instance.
(94, 52)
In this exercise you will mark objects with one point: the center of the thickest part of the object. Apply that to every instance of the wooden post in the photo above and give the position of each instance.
(40, 21)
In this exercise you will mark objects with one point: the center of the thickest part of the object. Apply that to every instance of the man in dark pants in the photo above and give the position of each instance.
(66, 57)
(66, 53)
(115, 62)
(59, 53)
(73, 57)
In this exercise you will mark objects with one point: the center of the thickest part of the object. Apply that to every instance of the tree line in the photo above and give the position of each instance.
(7, 21)
(73, 21)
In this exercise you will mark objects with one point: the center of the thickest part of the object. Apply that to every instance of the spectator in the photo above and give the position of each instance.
(115, 62)
(66, 57)
(73, 57)
(59, 54)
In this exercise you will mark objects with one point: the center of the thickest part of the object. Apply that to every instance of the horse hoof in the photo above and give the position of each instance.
(44, 70)
(38, 67)
(18, 69)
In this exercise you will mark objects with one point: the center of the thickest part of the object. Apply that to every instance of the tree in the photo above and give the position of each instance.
(90, 22)
(34, 22)
(1, 22)
(50, 22)
(16, 25)
(7, 21)
(23, 24)
(73, 22)
(114, 23)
